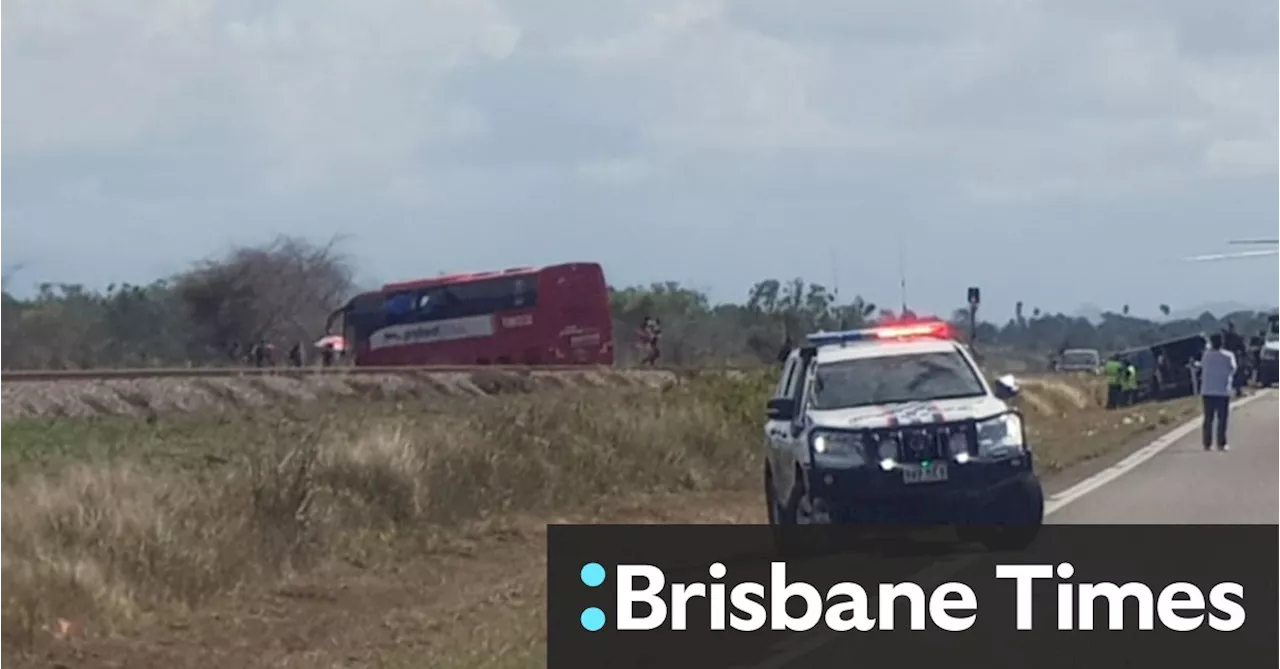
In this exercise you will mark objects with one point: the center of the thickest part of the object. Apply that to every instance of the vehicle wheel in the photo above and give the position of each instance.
(1011, 524)
(791, 536)
(770, 499)
(802, 510)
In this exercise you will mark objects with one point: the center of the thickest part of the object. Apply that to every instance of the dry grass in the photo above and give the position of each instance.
(107, 539)
(1068, 423)
(115, 524)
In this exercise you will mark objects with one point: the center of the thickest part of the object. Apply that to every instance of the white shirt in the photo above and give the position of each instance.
(1217, 369)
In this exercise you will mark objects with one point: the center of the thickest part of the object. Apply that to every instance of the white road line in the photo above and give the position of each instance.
(799, 647)
(1075, 492)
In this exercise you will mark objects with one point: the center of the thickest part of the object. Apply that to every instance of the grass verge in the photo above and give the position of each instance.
(122, 526)
(107, 522)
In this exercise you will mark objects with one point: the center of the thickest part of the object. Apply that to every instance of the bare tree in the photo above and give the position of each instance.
(278, 292)
(7, 275)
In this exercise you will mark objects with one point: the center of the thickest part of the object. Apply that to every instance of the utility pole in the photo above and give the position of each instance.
(975, 297)
(835, 290)
(902, 272)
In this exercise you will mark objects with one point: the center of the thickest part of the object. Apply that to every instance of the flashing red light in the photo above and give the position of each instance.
(907, 330)
(930, 329)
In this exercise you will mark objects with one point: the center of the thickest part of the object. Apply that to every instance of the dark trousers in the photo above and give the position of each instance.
(1216, 408)
(1113, 395)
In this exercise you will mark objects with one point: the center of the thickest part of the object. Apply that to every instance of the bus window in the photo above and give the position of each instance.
(487, 297)
(399, 304)
(432, 303)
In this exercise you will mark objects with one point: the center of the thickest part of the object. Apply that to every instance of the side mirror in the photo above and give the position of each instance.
(1006, 387)
(782, 408)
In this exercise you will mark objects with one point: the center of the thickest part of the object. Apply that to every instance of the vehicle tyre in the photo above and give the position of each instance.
(770, 499)
(792, 533)
(780, 518)
(1012, 523)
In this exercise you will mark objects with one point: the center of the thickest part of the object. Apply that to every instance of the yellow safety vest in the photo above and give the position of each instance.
(1113, 370)
(1131, 378)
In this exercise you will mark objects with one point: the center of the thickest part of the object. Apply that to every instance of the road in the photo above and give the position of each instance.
(1172, 482)
(1182, 484)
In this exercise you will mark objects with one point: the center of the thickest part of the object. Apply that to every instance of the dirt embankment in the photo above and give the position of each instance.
(142, 397)
(146, 397)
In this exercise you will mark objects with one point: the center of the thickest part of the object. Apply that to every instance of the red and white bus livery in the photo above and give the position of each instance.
(555, 315)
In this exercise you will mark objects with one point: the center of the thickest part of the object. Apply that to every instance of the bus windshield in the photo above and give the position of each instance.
(894, 379)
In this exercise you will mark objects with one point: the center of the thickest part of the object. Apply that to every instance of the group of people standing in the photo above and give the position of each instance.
(263, 354)
(1219, 376)
(1122, 382)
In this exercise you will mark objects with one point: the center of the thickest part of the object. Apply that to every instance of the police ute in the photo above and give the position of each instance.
(896, 425)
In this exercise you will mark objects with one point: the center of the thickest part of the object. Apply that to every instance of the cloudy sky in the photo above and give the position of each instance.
(1055, 151)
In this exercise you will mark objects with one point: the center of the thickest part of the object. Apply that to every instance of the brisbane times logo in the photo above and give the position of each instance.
(644, 600)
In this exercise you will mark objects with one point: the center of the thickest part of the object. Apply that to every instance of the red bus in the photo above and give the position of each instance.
(555, 315)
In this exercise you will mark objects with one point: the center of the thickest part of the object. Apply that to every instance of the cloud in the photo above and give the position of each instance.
(1017, 92)
(313, 89)
(434, 121)
(614, 172)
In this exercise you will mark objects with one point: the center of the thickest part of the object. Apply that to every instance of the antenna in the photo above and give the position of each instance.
(902, 270)
(835, 286)
(835, 275)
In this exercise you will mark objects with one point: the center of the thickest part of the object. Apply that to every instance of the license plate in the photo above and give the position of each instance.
(936, 471)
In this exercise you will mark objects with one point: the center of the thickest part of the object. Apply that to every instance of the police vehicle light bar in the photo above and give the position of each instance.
(925, 329)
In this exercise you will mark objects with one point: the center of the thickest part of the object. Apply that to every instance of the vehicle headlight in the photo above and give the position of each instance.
(1001, 435)
(838, 449)
(957, 445)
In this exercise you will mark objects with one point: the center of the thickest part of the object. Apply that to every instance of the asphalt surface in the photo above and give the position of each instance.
(1185, 485)
(1180, 484)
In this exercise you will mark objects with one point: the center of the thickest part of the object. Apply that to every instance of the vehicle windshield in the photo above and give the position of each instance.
(894, 379)
(1080, 358)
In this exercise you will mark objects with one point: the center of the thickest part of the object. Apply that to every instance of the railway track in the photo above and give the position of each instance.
(17, 376)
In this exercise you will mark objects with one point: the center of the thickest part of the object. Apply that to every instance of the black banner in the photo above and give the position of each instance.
(743, 596)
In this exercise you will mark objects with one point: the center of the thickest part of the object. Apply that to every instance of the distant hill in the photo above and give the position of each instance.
(1094, 313)
(1218, 309)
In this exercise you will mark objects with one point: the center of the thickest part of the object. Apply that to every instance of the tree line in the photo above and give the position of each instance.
(283, 292)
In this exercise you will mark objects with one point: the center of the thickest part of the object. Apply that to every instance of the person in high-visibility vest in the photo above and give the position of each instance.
(1130, 385)
(1113, 370)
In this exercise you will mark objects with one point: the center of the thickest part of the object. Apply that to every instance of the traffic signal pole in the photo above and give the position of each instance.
(975, 298)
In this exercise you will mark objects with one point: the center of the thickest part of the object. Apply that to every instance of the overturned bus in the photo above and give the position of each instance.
(1167, 369)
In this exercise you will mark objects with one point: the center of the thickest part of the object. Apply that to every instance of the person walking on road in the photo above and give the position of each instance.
(1217, 372)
